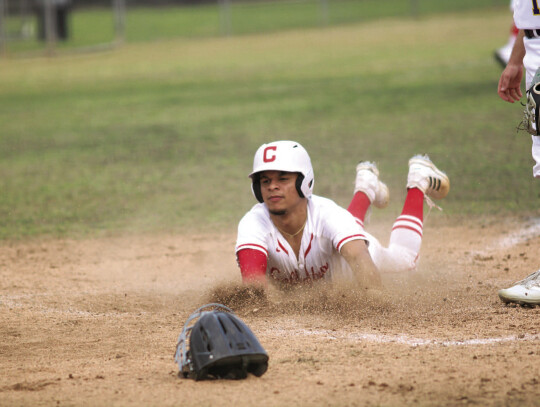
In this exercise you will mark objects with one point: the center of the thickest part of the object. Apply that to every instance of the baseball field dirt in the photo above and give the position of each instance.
(94, 322)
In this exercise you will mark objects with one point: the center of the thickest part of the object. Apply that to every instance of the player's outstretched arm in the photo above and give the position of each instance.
(357, 255)
(509, 88)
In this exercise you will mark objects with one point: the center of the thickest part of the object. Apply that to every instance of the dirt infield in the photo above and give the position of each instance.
(95, 322)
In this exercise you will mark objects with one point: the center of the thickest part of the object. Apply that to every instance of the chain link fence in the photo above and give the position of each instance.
(47, 25)
(29, 26)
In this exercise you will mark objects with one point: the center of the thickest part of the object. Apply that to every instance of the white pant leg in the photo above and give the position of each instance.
(532, 59)
(400, 256)
(536, 155)
(395, 258)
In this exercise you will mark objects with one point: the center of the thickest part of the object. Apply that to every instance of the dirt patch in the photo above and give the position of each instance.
(95, 322)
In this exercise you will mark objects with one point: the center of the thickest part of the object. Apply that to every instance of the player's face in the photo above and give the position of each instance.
(278, 189)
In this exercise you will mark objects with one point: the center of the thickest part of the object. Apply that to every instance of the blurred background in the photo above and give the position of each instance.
(129, 116)
(47, 24)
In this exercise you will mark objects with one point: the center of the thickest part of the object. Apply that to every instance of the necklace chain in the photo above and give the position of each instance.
(293, 234)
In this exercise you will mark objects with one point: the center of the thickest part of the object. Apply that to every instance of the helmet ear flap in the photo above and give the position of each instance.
(256, 187)
(304, 184)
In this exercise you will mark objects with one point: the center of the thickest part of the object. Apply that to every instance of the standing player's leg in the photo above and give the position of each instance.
(527, 291)
(536, 155)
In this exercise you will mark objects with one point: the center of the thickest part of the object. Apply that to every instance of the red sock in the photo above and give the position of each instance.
(414, 204)
(359, 205)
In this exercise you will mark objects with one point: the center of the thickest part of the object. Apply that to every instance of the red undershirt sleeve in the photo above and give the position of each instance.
(252, 265)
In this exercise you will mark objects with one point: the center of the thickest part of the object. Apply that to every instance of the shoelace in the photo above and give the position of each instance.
(531, 281)
(525, 123)
(431, 205)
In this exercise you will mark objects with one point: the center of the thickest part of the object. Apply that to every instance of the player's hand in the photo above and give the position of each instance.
(364, 270)
(510, 83)
(239, 296)
(369, 280)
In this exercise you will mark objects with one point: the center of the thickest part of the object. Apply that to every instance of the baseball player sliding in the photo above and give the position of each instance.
(526, 52)
(293, 236)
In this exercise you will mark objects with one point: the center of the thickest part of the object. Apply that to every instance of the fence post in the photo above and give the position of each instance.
(225, 17)
(120, 21)
(323, 5)
(50, 26)
(414, 8)
(2, 31)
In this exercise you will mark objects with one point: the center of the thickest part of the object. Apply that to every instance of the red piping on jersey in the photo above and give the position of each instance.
(282, 248)
(309, 247)
(248, 245)
(347, 238)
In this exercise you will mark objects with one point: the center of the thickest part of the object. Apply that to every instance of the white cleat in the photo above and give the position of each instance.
(425, 176)
(367, 181)
(524, 292)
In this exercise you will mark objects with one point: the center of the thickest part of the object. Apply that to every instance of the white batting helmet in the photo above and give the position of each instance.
(288, 156)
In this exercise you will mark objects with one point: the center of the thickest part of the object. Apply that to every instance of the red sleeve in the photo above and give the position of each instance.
(252, 265)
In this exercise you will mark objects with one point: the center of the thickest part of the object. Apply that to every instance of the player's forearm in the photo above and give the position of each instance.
(360, 261)
(367, 274)
(510, 81)
(518, 51)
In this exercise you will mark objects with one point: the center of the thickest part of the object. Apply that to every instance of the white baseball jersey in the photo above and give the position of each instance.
(327, 229)
(527, 14)
(527, 17)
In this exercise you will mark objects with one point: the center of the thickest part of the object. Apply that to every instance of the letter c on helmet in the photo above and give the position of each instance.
(269, 158)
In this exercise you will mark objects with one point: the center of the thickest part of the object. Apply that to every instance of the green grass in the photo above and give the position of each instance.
(95, 26)
(161, 136)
